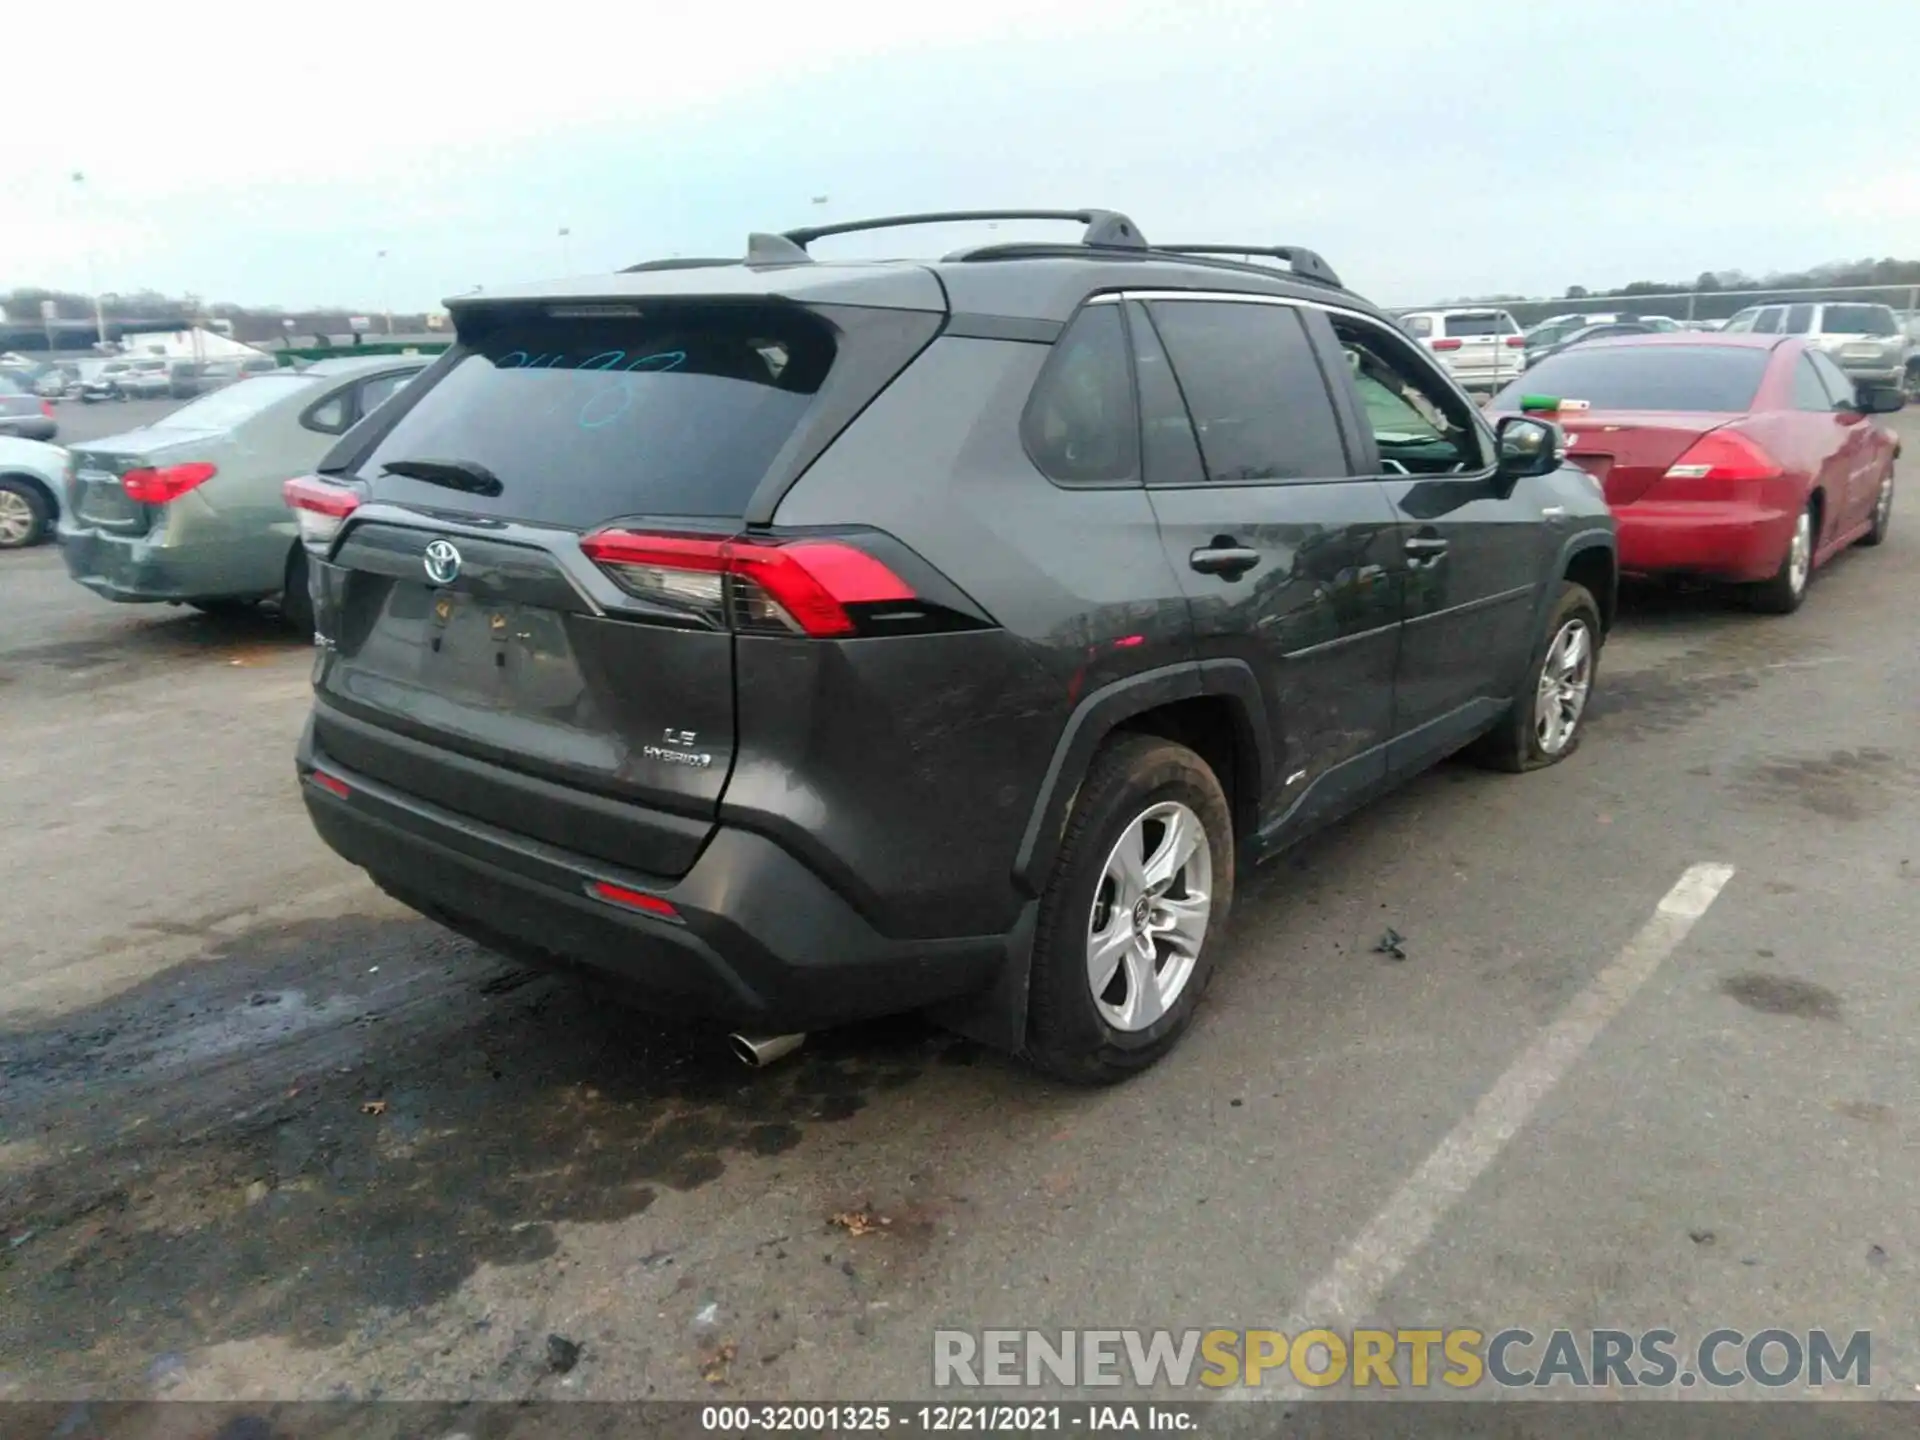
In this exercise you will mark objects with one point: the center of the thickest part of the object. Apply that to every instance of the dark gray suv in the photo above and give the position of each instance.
(804, 641)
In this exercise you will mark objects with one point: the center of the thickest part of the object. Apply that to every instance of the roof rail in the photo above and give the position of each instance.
(1301, 261)
(1108, 229)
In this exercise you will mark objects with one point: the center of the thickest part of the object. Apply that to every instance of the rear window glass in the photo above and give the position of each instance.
(1481, 323)
(227, 407)
(1646, 377)
(1857, 320)
(10, 386)
(677, 413)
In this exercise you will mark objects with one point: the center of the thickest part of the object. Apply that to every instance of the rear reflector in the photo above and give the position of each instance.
(1723, 455)
(632, 899)
(319, 507)
(799, 587)
(330, 784)
(1447, 344)
(157, 487)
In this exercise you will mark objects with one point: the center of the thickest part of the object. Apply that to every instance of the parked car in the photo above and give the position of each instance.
(188, 510)
(1867, 341)
(146, 378)
(104, 382)
(1749, 459)
(1585, 333)
(818, 640)
(24, 414)
(32, 476)
(57, 382)
(1480, 347)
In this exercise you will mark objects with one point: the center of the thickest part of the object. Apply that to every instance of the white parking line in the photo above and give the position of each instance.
(1358, 1279)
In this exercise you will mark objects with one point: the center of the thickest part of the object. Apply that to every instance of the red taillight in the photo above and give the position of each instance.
(169, 482)
(46, 408)
(330, 784)
(1446, 344)
(801, 586)
(319, 506)
(1723, 455)
(1516, 342)
(632, 899)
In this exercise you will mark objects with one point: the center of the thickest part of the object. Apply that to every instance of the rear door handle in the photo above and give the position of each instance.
(1224, 558)
(1426, 545)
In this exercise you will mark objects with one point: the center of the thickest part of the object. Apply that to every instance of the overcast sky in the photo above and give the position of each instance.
(1427, 148)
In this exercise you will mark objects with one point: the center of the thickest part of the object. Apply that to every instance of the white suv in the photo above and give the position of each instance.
(1866, 341)
(1483, 348)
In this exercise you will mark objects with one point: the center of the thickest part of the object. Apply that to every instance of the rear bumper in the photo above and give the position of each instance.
(759, 940)
(1868, 372)
(138, 569)
(1719, 540)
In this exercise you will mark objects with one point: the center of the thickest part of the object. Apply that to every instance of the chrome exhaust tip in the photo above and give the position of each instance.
(759, 1051)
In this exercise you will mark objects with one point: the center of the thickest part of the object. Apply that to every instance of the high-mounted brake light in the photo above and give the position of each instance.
(169, 482)
(1724, 455)
(1446, 344)
(799, 587)
(319, 507)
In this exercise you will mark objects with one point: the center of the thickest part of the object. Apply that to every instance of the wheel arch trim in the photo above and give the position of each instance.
(1103, 711)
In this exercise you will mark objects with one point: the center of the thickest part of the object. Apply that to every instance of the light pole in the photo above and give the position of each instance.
(386, 300)
(566, 252)
(93, 271)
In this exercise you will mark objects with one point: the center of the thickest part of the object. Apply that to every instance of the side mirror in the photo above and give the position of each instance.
(1527, 447)
(1878, 400)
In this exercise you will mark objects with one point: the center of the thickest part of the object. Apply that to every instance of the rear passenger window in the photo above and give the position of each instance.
(1079, 426)
(1169, 453)
(1258, 400)
(1799, 320)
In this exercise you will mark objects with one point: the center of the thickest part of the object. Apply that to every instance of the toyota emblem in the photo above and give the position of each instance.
(443, 562)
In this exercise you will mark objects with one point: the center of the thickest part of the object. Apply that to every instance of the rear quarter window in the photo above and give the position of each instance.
(1079, 427)
(676, 412)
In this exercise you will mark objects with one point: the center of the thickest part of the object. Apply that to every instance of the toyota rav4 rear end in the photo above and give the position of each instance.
(578, 697)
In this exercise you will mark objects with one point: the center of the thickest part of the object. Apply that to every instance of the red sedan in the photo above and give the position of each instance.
(1743, 458)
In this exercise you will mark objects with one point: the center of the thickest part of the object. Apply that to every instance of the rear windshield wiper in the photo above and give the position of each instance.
(467, 475)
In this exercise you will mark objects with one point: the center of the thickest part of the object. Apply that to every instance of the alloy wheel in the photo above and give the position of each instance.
(16, 519)
(1800, 553)
(1566, 677)
(1149, 916)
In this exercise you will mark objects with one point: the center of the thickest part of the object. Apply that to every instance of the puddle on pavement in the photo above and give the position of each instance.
(326, 1119)
(1782, 995)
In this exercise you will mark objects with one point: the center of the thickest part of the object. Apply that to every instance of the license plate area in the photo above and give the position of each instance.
(491, 653)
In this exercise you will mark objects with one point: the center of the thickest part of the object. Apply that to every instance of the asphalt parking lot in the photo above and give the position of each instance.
(267, 1134)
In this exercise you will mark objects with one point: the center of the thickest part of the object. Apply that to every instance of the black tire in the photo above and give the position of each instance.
(1784, 593)
(1882, 513)
(296, 600)
(39, 514)
(1067, 1033)
(1515, 744)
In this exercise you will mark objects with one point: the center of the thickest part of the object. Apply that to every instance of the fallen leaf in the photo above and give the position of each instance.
(714, 1367)
(374, 1107)
(864, 1221)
